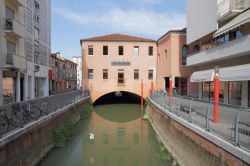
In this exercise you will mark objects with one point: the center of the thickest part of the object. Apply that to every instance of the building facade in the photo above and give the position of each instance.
(171, 62)
(63, 73)
(115, 63)
(221, 46)
(25, 41)
(78, 61)
(38, 47)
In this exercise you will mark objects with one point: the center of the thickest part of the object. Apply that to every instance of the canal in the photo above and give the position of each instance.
(120, 137)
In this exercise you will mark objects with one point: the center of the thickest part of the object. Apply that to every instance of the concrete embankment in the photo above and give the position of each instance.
(189, 147)
(26, 146)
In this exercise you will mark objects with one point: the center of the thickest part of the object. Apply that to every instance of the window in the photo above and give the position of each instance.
(36, 58)
(10, 14)
(196, 49)
(136, 74)
(105, 74)
(90, 74)
(120, 50)
(90, 50)
(184, 55)
(36, 18)
(136, 50)
(105, 50)
(150, 74)
(36, 33)
(150, 51)
(121, 76)
(235, 91)
(36, 4)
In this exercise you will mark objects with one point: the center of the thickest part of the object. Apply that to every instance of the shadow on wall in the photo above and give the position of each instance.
(118, 98)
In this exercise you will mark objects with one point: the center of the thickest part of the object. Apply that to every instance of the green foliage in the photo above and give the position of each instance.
(62, 136)
(87, 109)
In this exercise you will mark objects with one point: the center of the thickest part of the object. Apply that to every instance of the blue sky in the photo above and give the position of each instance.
(76, 19)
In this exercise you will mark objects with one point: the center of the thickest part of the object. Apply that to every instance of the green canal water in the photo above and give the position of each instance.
(121, 138)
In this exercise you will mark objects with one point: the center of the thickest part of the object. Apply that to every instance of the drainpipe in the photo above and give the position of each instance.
(216, 94)
(142, 94)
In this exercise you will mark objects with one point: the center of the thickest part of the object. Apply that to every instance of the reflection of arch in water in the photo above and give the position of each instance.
(118, 97)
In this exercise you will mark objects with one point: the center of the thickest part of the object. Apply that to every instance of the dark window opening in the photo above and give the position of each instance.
(120, 50)
(105, 50)
(90, 50)
(90, 74)
(150, 51)
(150, 74)
(105, 74)
(184, 55)
(136, 74)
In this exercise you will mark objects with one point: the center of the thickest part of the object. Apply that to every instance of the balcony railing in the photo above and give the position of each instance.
(9, 59)
(231, 6)
(15, 27)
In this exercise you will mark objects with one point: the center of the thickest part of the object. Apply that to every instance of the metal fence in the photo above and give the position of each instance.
(17, 115)
(234, 121)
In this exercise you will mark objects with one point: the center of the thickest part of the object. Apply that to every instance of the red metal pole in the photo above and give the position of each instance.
(216, 98)
(170, 87)
(142, 95)
(151, 88)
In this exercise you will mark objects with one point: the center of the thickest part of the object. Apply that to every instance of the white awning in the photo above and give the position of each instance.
(202, 76)
(233, 73)
(236, 22)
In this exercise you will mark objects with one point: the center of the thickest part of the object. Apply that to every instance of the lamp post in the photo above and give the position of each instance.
(151, 88)
(170, 86)
(216, 94)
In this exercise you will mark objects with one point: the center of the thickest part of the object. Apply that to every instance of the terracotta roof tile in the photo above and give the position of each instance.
(118, 37)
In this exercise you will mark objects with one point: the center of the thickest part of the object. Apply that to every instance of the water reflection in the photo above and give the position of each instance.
(121, 138)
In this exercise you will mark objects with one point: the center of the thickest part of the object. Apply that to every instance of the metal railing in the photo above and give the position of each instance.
(234, 121)
(17, 115)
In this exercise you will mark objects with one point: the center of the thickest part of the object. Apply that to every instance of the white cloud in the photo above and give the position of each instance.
(140, 21)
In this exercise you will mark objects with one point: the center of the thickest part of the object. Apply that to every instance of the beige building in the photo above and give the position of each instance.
(118, 62)
(25, 49)
(218, 34)
(171, 62)
(12, 51)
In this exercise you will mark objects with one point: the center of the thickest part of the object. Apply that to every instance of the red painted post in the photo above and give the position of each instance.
(141, 94)
(216, 95)
(170, 87)
(151, 88)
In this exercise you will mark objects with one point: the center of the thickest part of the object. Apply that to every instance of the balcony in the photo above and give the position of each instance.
(233, 48)
(14, 61)
(15, 28)
(18, 2)
(228, 9)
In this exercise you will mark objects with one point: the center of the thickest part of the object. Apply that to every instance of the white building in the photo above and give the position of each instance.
(24, 49)
(38, 46)
(78, 60)
(218, 34)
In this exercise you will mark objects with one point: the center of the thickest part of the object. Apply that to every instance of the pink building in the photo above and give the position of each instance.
(171, 62)
(116, 62)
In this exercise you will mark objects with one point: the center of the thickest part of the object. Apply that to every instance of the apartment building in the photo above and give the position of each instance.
(78, 61)
(171, 63)
(12, 51)
(25, 48)
(63, 73)
(37, 47)
(117, 62)
(218, 37)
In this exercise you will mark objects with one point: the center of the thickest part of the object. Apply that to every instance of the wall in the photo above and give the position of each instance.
(201, 18)
(98, 62)
(182, 142)
(28, 148)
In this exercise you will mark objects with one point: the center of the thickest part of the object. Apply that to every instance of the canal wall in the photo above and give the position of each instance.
(191, 145)
(28, 145)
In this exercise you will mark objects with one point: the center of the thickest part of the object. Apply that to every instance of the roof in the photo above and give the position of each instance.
(172, 31)
(117, 38)
(234, 23)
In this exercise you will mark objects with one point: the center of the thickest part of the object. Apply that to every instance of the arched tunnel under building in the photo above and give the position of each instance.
(118, 97)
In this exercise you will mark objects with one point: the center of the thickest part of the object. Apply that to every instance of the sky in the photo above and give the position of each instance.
(73, 20)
